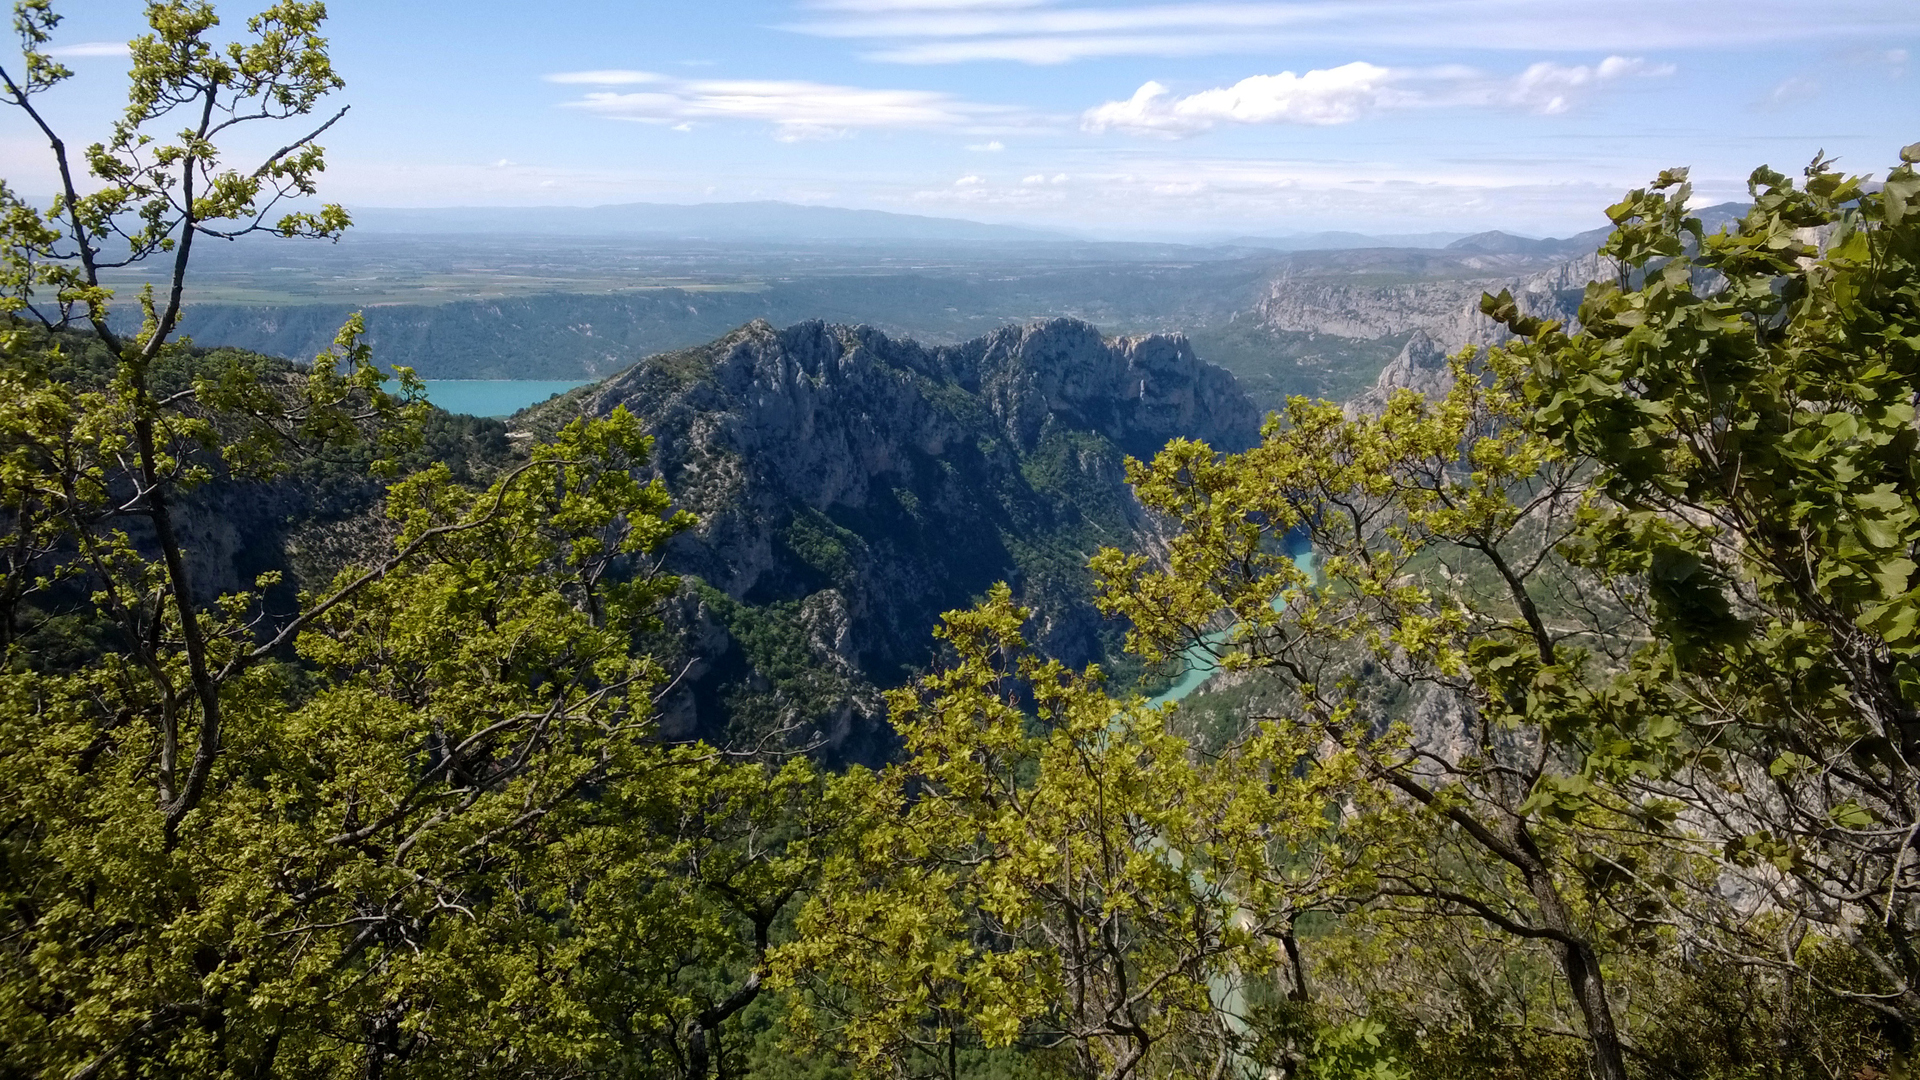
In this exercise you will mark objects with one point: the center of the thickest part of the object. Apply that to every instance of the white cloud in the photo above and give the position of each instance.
(797, 110)
(88, 48)
(968, 181)
(1068, 48)
(605, 78)
(1051, 32)
(1791, 91)
(993, 146)
(1341, 95)
(949, 23)
(1552, 88)
(1038, 179)
(1320, 97)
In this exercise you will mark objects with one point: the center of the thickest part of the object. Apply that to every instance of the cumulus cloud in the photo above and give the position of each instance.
(1350, 92)
(796, 109)
(1320, 97)
(991, 147)
(1550, 88)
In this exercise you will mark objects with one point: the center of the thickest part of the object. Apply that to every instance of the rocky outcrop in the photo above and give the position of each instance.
(1444, 306)
(858, 485)
(1369, 311)
(1420, 367)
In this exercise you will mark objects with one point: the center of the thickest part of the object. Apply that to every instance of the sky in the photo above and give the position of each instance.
(1169, 119)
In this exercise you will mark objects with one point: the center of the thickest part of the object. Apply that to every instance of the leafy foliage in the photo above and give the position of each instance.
(1748, 410)
(1074, 880)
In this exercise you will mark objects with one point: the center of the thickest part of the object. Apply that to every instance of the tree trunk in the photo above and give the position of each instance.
(1582, 968)
(1298, 992)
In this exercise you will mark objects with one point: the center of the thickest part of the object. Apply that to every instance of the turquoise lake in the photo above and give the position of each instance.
(494, 397)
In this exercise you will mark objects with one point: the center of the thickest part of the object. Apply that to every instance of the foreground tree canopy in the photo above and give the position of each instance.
(1584, 745)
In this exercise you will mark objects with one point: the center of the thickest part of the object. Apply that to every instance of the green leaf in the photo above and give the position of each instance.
(1788, 763)
(1851, 815)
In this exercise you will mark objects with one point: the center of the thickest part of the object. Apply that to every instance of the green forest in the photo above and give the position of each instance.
(1585, 744)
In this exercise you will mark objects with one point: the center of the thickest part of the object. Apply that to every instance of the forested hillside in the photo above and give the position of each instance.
(340, 737)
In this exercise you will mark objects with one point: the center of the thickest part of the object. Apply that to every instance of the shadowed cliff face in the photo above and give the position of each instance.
(852, 487)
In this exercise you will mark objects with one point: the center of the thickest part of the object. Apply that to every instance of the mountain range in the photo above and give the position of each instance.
(760, 222)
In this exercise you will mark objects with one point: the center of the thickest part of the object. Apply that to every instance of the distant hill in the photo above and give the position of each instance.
(1713, 218)
(758, 221)
(1333, 241)
(1496, 242)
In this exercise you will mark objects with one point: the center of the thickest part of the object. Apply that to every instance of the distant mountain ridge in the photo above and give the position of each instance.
(763, 221)
(1339, 240)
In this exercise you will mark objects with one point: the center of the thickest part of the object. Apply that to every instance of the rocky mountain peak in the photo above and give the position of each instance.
(1421, 366)
(1137, 391)
(851, 486)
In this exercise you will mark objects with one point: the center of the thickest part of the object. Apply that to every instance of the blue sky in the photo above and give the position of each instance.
(1174, 119)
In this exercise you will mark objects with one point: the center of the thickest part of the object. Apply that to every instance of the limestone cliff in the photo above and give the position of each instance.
(1421, 366)
(851, 486)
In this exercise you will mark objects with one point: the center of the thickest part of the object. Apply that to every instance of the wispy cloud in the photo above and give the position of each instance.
(894, 6)
(1790, 91)
(796, 109)
(1344, 94)
(1552, 88)
(1042, 50)
(89, 48)
(607, 78)
(1051, 32)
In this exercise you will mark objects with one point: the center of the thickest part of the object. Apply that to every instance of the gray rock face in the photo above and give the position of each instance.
(876, 482)
(1137, 391)
(834, 416)
(1420, 367)
(1445, 308)
(1369, 311)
